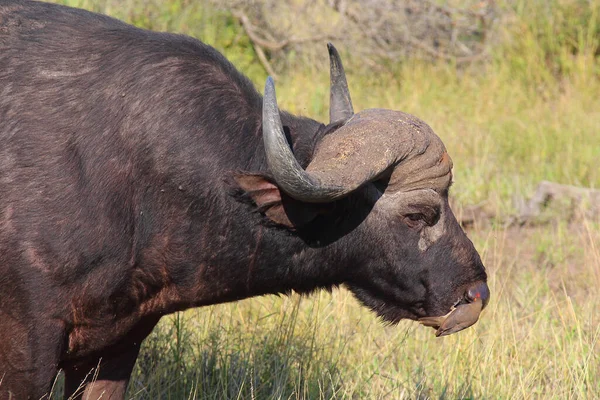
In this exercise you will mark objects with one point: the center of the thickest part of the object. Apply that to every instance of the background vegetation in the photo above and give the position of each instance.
(527, 111)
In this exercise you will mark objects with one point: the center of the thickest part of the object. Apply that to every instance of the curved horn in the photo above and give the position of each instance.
(340, 104)
(288, 174)
(368, 145)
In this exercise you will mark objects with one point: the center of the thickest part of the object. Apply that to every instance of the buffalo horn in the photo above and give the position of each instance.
(340, 104)
(288, 174)
(367, 146)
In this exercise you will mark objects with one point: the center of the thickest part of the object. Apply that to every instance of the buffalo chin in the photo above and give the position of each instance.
(388, 310)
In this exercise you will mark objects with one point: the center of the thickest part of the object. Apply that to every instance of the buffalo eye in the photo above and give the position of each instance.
(415, 220)
(419, 220)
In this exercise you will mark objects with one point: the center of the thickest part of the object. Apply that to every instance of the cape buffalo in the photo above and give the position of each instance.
(142, 174)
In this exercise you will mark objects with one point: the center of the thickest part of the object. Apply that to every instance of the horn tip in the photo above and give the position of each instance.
(269, 84)
(331, 48)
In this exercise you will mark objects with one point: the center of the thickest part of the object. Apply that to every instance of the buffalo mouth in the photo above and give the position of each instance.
(464, 313)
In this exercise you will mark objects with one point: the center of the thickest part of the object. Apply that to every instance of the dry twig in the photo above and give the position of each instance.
(260, 43)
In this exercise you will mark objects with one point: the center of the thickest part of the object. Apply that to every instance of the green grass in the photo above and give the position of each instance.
(529, 113)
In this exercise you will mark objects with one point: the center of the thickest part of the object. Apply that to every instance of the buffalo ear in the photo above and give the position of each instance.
(274, 203)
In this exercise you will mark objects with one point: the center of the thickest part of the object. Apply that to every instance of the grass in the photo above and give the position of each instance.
(538, 339)
(531, 112)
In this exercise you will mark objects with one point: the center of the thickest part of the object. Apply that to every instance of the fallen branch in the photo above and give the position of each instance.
(566, 200)
(551, 201)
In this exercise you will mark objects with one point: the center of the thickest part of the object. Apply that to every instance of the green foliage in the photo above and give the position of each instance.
(553, 38)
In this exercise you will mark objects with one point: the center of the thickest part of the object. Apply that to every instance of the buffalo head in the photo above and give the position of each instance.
(414, 259)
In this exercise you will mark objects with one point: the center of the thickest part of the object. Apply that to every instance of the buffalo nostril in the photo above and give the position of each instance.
(479, 291)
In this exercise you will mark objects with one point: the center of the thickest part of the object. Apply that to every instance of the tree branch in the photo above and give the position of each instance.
(260, 43)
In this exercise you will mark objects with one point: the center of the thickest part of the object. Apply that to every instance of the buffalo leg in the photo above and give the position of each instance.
(104, 378)
(28, 357)
(106, 375)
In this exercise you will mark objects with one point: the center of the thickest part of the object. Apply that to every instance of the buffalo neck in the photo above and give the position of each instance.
(232, 260)
(195, 244)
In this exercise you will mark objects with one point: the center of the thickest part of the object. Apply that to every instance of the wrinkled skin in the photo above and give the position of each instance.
(134, 183)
